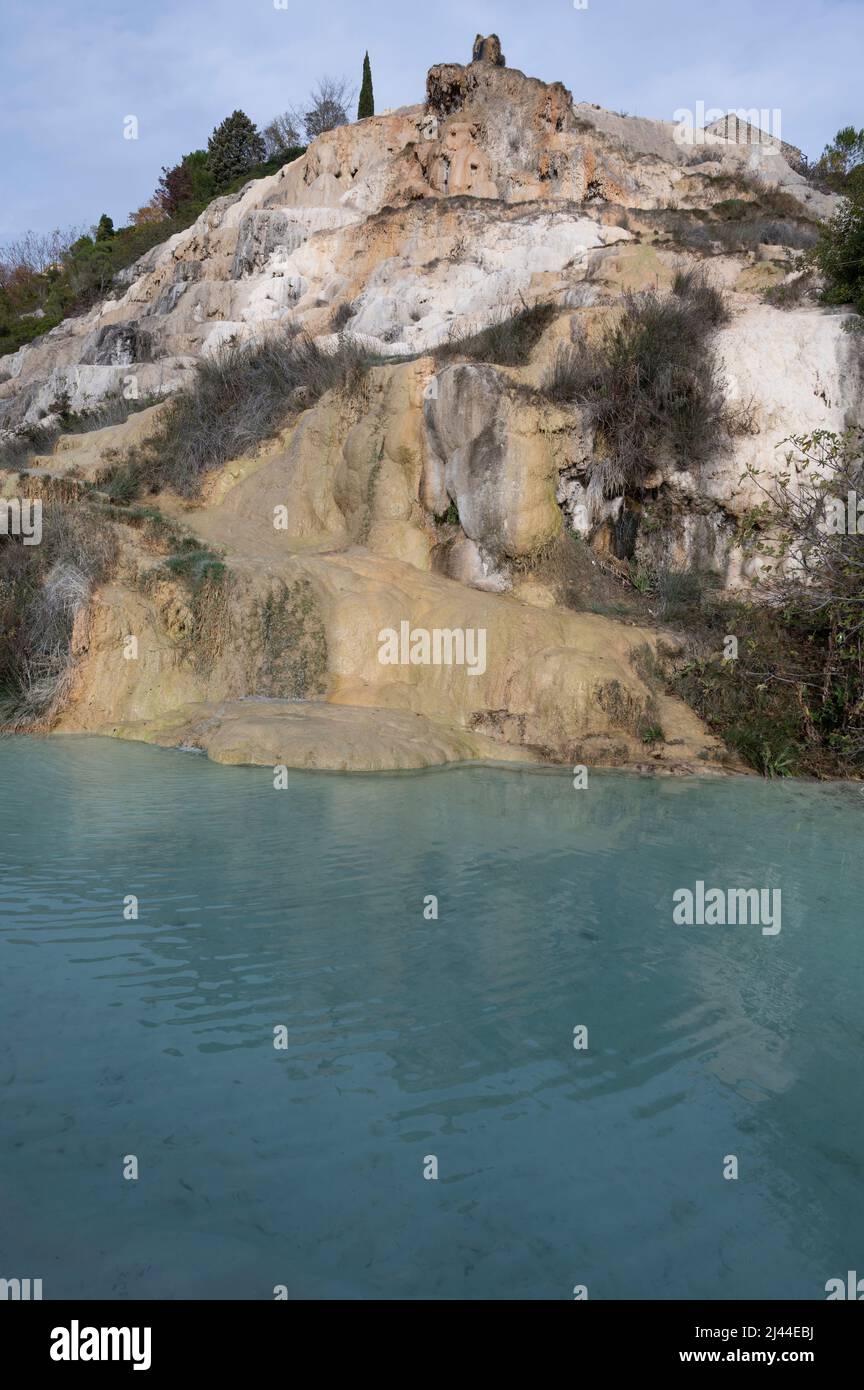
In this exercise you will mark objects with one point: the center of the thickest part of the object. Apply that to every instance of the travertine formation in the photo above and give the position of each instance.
(411, 229)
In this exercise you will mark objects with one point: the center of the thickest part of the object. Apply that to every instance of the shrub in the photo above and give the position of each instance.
(750, 227)
(651, 733)
(706, 307)
(790, 293)
(731, 209)
(793, 701)
(19, 447)
(651, 385)
(565, 378)
(239, 397)
(758, 703)
(293, 643)
(342, 314)
(681, 592)
(775, 202)
(755, 231)
(190, 182)
(43, 588)
(507, 341)
(839, 254)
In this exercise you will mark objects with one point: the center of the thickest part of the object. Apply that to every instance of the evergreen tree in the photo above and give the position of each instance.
(234, 147)
(104, 227)
(839, 254)
(841, 165)
(366, 105)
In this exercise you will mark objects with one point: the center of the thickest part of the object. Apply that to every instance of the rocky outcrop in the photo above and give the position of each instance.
(488, 51)
(426, 497)
(424, 220)
(326, 738)
(117, 345)
(487, 454)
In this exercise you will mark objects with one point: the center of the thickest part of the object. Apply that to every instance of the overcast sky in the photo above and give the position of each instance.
(71, 72)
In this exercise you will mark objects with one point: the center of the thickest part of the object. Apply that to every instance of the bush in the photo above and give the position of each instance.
(240, 397)
(508, 340)
(839, 255)
(342, 315)
(706, 307)
(793, 701)
(651, 385)
(42, 590)
(293, 644)
(564, 380)
(791, 293)
(744, 227)
(206, 584)
(753, 232)
(758, 703)
(190, 182)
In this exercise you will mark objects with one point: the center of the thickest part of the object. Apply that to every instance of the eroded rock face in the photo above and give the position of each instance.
(492, 461)
(429, 219)
(423, 497)
(553, 686)
(488, 51)
(786, 374)
(117, 345)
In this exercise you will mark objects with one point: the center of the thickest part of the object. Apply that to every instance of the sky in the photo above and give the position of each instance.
(70, 74)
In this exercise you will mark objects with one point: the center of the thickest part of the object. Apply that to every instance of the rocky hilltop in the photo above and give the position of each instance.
(432, 488)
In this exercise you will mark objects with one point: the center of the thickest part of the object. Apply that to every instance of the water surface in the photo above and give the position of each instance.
(409, 1038)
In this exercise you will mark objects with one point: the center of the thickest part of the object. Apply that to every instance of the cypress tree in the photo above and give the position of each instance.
(366, 104)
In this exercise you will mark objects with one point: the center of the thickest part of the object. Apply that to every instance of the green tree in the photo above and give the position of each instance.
(839, 253)
(366, 104)
(842, 161)
(104, 228)
(189, 183)
(234, 147)
(840, 167)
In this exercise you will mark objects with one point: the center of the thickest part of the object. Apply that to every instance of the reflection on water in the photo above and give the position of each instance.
(406, 1037)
